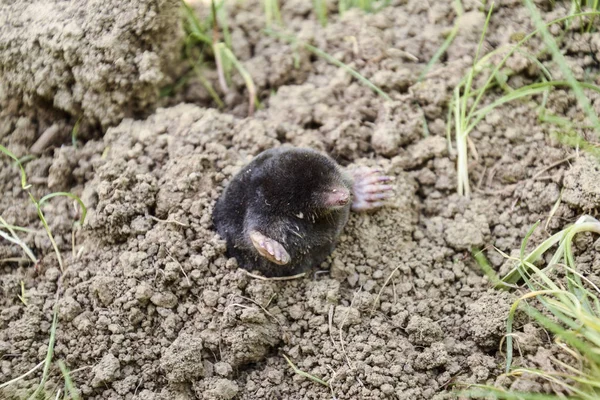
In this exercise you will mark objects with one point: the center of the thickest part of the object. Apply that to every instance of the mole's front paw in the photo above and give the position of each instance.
(269, 248)
(370, 189)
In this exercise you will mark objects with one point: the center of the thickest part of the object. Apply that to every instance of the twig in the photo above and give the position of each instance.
(276, 278)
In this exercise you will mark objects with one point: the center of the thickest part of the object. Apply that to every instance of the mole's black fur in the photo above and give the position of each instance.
(280, 194)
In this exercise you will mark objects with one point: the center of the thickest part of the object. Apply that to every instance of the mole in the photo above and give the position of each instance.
(283, 212)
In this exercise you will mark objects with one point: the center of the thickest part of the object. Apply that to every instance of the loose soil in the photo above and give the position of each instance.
(150, 307)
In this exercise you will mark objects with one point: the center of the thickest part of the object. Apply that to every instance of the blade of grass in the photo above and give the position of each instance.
(69, 195)
(438, 54)
(49, 353)
(272, 12)
(74, 133)
(483, 391)
(24, 184)
(304, 374)
(485, 266)
(70, 387)
(320, 7)
(292, 40)
(16, 240)
(197, 30)
(245, 75)
(517, 46)
(562, 64)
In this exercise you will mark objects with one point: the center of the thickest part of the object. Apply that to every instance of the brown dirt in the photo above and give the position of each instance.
(150, 306)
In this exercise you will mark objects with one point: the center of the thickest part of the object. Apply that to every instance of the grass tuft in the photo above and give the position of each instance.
(568, 306)
(559, 59)
(465, 113)
(204, 39)
(13, 238)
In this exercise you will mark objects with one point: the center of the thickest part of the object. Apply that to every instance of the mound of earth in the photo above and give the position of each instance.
(150, 307)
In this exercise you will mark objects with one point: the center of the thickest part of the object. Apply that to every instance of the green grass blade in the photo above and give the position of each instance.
(562, 64)
(514, 48)
(330, 59)
(25, 375)
(49, 353)
(320, 7)
(66, 194)
(486, 392)
(471, 74)
(24, 184)
(438, 54)
(74, 133)
(15, 238)
(245, 75)
(197, 30)
(70, 387)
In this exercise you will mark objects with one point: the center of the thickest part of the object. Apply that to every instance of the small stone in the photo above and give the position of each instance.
(164, 299)
(106, 371)
(387, 389)
(135, 316)
(296, 312)
(223, 369)
(423, 331)
(346, 315)
(463, 235)
(200, 262)
(103, 287)
(432, 357)
(182, 361)
(143, 293)
(52, 274)
(69, 309)
(210, 297)
(225, 389)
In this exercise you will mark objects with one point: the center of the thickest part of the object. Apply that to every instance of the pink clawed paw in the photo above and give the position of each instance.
(269, 248)
(371, 189)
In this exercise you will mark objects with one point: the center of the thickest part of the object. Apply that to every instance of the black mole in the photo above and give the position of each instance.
(283, 212)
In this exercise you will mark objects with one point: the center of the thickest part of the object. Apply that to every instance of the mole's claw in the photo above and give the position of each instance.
(377, 188)
(369, 188)
(269, 248)
(370, 180)
(378, 196)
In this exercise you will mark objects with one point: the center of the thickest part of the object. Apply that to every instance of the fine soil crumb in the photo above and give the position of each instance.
(486, 318)
(106, 371)
(182, 361)
(581, 184)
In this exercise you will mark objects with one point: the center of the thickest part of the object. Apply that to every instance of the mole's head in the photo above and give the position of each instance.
(300, 181)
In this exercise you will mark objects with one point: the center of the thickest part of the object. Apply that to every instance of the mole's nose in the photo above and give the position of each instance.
(337, 197)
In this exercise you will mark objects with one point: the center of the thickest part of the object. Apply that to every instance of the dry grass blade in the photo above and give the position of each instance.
(304, 374)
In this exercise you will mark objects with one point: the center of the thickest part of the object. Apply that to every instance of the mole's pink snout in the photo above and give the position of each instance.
(337, 197)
